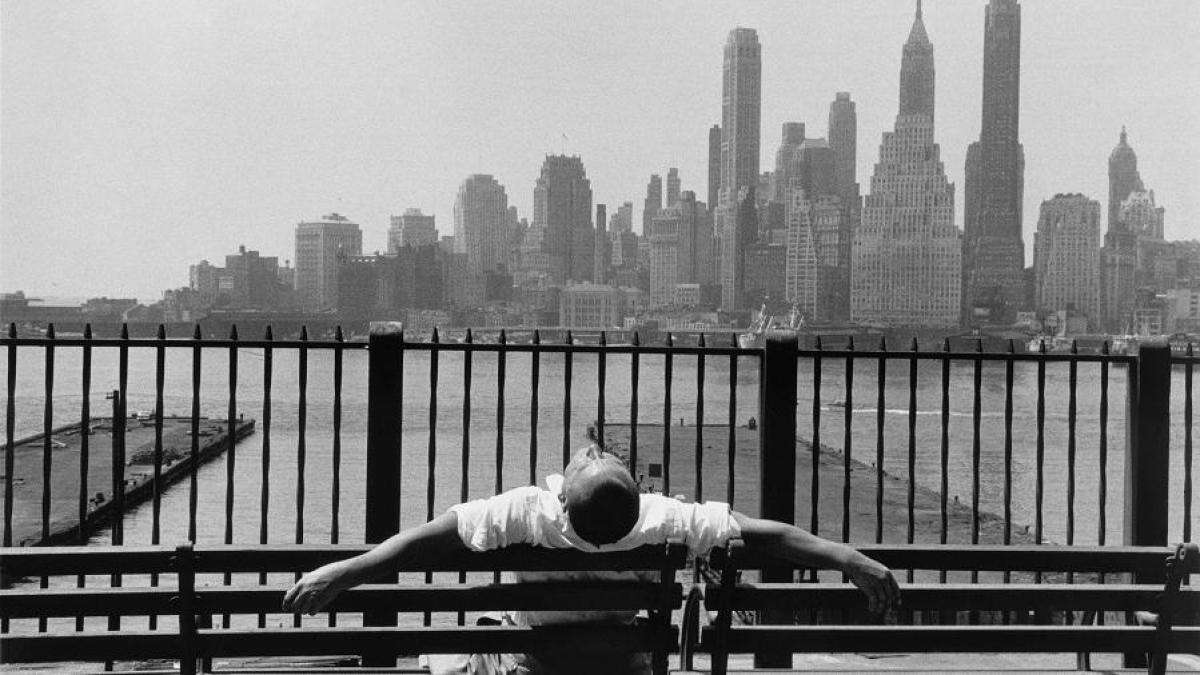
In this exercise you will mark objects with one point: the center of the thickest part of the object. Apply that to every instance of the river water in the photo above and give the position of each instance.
(516, 436)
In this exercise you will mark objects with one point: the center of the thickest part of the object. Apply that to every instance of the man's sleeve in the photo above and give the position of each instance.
(485, 524)
(708, 525)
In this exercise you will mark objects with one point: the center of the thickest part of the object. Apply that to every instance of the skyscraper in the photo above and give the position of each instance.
(843, 140)
(411, 229)
(1066, 256)
(906, 266)
(741, 117)
(622, 220)
(714, 165)
(993, 249)
(562, 204)
(672, 186)
(319, 244)
(481, 224)
(1123, 177)
(653, 202)
(793, 136)
(603, 254)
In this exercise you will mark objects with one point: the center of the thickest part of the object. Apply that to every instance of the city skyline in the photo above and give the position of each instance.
(151, 189)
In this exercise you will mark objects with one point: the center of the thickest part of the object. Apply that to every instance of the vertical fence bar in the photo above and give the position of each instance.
(1102, 496)
(568, 367)
(601, 384)
(10, 420)
(335, 496)
(815, 476)
(431, 457)
(301, 434)
(912, 442)
(1008, 452)
(501, 376)
(265, 483)
(944, 460)
(699, 482)
(633, 401)
(1040, 459)
(1187, 446)
(231, 448)
(847, 438)
(160, 366)
(881, 373)
(193, 475)
(465, 485)
(118, 488)
(47, 450)
(777, 455)
(535, 363)
(976, 442)
(668, 372)
(85, 426)
(731, 447)
(1072, 381)
(385, 392)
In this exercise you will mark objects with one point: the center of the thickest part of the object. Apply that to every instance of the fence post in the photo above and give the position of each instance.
(777, 460)
(1147, 463)
(385, 381)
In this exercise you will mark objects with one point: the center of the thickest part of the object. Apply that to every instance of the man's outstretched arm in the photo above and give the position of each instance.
(794, 545)
(415, 547)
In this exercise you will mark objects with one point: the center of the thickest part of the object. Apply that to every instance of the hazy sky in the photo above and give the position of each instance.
(139, 137)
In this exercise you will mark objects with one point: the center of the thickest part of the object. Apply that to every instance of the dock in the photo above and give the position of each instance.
(66, 450)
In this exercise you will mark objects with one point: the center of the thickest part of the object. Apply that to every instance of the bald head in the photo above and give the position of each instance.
(601, 498)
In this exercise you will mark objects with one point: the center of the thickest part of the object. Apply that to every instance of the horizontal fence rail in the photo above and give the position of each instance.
(1007, 448)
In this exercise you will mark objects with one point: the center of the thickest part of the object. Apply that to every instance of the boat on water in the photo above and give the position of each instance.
(755, 335)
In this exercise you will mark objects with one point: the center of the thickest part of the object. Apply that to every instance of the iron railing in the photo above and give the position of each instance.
(775, 373)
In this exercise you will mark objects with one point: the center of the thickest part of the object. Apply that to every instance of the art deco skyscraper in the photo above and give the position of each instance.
(993, 249)
(1123, 178)
(1066, 256)
(906, 261)
(843, 140)
(481, 224)
(741, 117)
(653, 203)
(562, 207)
(714, 165)
(672, 186)
(793, 136)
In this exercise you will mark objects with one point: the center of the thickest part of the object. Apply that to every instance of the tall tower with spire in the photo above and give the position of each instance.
(906, 257)
(1123, 177)
(993, 249)
(741, 118)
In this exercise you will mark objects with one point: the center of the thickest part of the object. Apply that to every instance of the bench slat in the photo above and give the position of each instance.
(1131, 597)
(473, 639)
(1025, 639)
(125, 645)
(20, 561)
(593, 596)
(984, 558)
(285, 558)
(87, 602)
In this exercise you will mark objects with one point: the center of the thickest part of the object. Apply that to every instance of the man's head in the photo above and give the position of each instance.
(601, 499)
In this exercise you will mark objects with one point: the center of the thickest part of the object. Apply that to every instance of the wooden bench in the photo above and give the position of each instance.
(180, 596)
(1159, 572)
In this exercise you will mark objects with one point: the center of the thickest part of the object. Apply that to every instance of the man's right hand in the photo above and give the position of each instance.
(875, 580)
(316, 589)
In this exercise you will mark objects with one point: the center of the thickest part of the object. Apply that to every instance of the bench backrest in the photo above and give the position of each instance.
(180, 596)
(843, 606)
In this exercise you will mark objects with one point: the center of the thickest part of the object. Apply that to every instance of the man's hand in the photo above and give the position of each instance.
(875, 580)
(316, 589)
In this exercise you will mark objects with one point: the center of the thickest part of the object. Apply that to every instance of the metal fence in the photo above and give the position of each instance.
(776, 367)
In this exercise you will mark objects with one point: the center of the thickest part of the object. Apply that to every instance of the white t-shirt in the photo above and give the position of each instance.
(532, 515)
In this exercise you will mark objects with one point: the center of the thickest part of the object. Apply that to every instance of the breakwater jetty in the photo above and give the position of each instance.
(66, 457)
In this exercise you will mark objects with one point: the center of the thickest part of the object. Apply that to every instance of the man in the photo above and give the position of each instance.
(594, 506)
